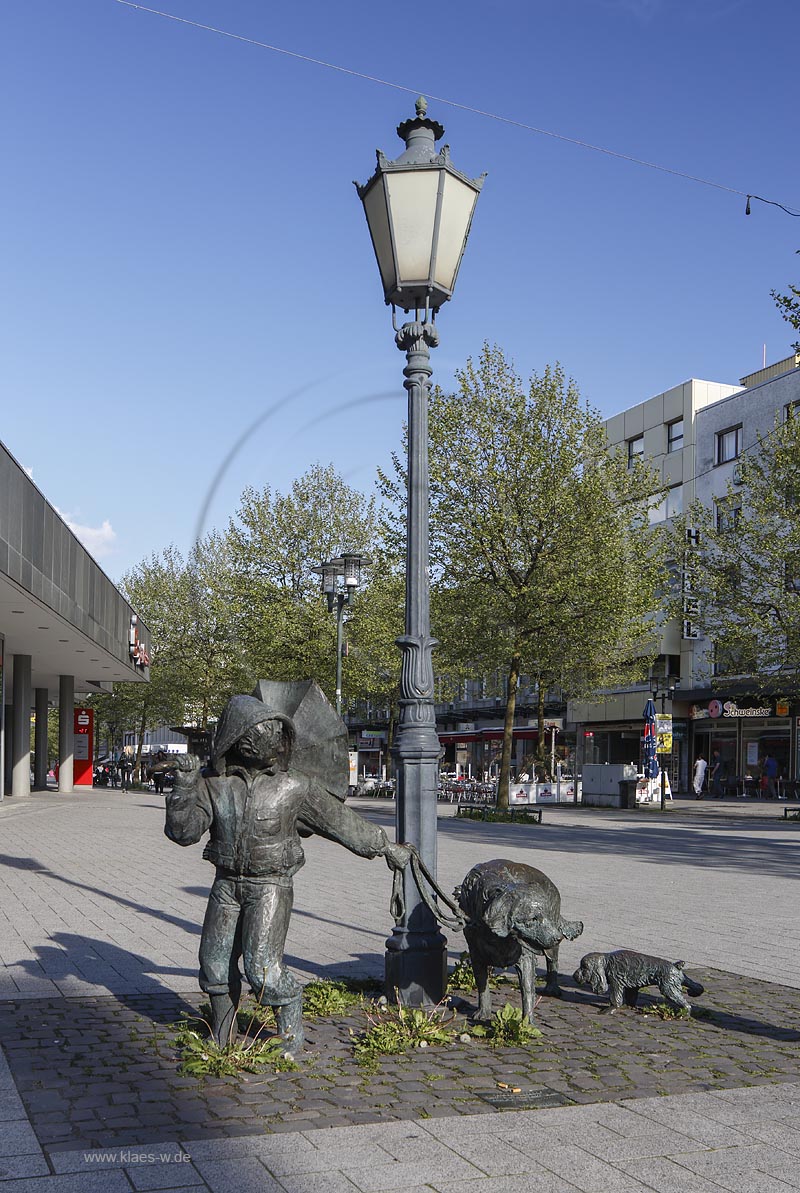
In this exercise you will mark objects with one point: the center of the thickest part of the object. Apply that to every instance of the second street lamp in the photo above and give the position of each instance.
(419, 209)
(340, 578)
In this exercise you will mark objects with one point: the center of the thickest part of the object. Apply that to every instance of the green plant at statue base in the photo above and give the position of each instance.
(395, 1029)
(200, 1055)
(335, 996)
(463, 978)
(508, 1028)
(665, 1010)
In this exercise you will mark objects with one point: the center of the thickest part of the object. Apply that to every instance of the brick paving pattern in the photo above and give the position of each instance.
(99, 1071)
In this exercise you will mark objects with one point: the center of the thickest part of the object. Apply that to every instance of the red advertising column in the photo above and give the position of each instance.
(83, 747)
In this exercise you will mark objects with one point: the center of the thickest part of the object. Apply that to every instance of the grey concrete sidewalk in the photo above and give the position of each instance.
(742, 1141)
(95, 901)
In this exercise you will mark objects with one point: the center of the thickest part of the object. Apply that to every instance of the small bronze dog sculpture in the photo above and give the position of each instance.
(513, 912)
(622, 974)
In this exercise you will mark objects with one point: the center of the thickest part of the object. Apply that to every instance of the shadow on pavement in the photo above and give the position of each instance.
(29, 863)
(729, 846)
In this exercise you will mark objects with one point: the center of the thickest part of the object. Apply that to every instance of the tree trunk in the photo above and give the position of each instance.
(137, 770)
(508, 730)
(390, 731)
(541, 737)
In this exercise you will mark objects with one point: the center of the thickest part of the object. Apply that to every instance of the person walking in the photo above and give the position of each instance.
(699, 776)
(770, 773)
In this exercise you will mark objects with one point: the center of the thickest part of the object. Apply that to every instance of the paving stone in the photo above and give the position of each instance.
(17, 1138)
(237, 1176)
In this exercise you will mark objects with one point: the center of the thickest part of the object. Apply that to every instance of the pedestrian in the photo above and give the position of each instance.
(699, 776)
(770, 774)
(715, 784)
(158, 775)
(125, 772)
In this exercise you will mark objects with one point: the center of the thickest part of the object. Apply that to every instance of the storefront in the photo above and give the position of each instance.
(745, 730)
(621, 742)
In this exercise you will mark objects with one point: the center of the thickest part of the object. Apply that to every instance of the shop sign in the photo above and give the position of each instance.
(730, 709)
(83, 726)
(781, 708)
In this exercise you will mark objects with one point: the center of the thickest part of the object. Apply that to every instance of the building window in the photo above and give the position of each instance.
(792, 572)
(675, 435)
(635, 450)
(669, 506)
(791, 410)
(675, 501)
(727, 515)
(729, 444)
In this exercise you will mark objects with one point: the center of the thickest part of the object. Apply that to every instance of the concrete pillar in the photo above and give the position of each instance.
(21, 734)
(66, 724)
(8, 721)
(40, 758)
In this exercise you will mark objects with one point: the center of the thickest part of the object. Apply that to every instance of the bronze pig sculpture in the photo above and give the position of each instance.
(513, 912)
(622, 974)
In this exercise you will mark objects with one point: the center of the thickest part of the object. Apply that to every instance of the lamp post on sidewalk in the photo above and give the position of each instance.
(419, 209)
(664, 693)
(340, 579)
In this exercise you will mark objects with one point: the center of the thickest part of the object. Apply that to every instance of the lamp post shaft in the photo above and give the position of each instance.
(416, 958)
(340, 603)
(663, 759)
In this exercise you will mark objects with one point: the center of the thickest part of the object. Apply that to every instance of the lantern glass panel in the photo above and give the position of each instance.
(412, 200)
(458, 204)
(328, 579)
(378, 220)
(352, 571)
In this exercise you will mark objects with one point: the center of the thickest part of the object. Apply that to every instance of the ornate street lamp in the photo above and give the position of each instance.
(340, 578)
(419, 209)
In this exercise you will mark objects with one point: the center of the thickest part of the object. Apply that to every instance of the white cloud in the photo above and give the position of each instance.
(29, 472)
(99, 541)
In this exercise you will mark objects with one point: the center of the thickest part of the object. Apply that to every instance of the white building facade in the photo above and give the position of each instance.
(694, 435)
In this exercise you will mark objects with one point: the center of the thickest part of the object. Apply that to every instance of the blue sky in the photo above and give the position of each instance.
(183, 247)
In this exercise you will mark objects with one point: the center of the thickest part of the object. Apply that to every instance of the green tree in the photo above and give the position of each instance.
(541, 551)
(740, 583)
(789, 307)
(275, 542)
(375, 622)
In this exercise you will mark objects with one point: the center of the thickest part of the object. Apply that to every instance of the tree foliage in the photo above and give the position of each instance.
(542, 556)
(276, 541)
(743, 578)
(789, 307)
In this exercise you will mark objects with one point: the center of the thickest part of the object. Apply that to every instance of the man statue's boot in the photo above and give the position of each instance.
(223, 1019)
(289, 1019)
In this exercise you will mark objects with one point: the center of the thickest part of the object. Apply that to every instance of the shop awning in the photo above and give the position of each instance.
(490, 734)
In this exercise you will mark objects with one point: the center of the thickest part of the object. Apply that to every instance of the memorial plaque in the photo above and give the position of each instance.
(534, 1097)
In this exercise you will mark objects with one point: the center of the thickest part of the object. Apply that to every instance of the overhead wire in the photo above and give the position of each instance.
(521, 124)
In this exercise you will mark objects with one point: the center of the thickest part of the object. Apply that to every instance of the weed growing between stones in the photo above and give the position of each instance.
(462, 977)
(200, 1055)
(665, 1010)
(508, 1028)
(393, 1030)
(335, 996)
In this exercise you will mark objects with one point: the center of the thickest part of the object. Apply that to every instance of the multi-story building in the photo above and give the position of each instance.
(694, 435)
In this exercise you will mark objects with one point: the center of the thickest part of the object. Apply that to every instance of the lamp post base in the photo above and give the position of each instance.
(416, 968)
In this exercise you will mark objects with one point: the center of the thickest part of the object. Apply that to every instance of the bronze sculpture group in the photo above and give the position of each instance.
(278, 772)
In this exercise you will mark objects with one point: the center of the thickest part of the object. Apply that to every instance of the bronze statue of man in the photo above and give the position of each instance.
(256, 806)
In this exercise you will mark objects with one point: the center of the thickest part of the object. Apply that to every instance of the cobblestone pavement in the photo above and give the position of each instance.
(99, 923)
